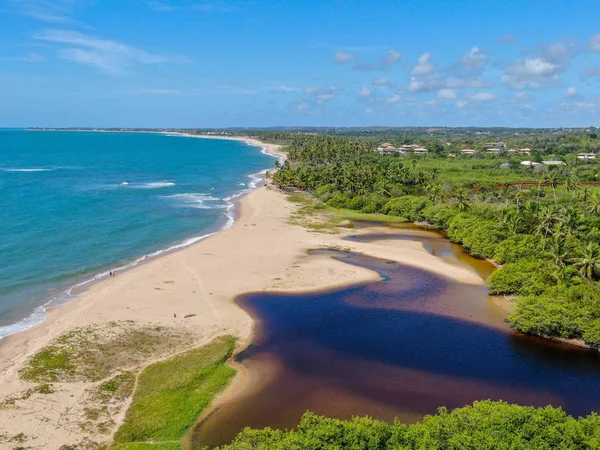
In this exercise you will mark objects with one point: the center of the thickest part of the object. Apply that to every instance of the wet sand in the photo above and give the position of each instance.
(399, 347)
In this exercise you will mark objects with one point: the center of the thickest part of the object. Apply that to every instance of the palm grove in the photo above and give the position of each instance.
(546, 234)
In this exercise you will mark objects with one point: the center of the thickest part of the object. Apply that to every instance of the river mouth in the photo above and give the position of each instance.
(400, 347)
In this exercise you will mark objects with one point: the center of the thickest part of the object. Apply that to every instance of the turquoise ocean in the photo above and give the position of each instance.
(74, 205)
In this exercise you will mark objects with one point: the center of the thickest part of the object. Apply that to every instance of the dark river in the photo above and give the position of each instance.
(399, 347)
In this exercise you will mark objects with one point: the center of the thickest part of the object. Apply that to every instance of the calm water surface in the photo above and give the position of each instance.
(400, 347)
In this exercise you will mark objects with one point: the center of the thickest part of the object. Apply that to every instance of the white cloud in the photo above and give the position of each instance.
(381, 82)
(571, 92)
(594, 43)
(461, 104)
(447, 94)
(394, 98)
(530, 72)
(311, 90)
(108, 56)
(466, 83)
(559, 54)
(474, 59)
(283, 88)
(523, 95)
(391, 57)
(29, 57)
(343, 57)
(49, 11)
(481, 96)
(424, 67)
(323, 97)
(365, 92)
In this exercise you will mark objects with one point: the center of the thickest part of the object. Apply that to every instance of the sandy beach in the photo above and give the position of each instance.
(261, 251)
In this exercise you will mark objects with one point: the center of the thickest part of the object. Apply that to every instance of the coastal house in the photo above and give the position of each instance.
(527, 151)
(529, 163)
(451, 155)
(586, 156)
(493, 151)
(553, 163)
(420, 151)
(387, 148)
(468, 151)
(496, 144)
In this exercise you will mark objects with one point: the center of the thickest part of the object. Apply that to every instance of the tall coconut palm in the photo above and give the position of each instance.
(588, 261)
(551, 178)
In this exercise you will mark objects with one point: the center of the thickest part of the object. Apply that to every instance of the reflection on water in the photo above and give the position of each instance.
(400, 347)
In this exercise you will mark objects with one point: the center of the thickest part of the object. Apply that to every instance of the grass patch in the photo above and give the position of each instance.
(349, 214)
(172, 394)
(42, 389)
(149, 446)
(93, 353)
(316, 216)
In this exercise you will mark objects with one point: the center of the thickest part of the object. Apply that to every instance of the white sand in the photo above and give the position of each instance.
(261, 251)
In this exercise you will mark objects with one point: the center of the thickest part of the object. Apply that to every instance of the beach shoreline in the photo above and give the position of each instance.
(62, 295)
(261, 251)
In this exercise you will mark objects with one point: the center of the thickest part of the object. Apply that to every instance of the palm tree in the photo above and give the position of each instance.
(572, 185)
(435, 192)
(594, 206)
(588, 261)
(512, 221)
(551, 177)
(559, 251)
(462, 199)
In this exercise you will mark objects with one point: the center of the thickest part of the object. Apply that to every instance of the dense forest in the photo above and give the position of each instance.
(545, 234)
(484, 425)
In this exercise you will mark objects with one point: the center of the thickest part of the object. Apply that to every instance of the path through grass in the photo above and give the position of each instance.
(170, 395)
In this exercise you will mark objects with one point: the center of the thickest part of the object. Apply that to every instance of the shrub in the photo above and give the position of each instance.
(357, 203)
(324, 193)
(439, 215)
(373, 203)
(408, 206)
(568, 312)
(338, 201)
(524, 277)
(520, 246)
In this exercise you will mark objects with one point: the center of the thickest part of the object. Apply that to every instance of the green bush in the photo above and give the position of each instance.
(520, 246)
(338, 201)
(324, 193)
(357, 203)
(524, 277)
(482, 238)
(408, 206)
(569, 312)
(373, 203)
(485, 425)
(439, 215)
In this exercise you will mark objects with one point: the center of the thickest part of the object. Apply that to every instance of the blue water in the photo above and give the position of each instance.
(75, 204)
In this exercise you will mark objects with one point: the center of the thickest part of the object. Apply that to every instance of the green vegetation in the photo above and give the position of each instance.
(92, 354)
(547, 233)
(484, 425)
(170, 396)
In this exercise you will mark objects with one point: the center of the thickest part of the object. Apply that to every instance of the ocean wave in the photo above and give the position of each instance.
(195, 200)
(39, 314)
(26, 169)
(149, 185)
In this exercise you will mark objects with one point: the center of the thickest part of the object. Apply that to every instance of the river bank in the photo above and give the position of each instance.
(189, 292)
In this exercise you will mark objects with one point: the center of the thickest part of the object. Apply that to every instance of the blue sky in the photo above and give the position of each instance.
(191, 63)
